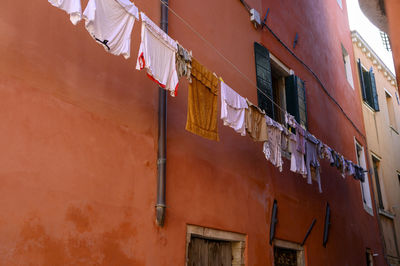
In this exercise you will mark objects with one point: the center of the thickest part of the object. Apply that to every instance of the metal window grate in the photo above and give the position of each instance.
(386, 41)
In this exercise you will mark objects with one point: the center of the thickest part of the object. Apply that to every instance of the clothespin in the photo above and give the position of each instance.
(220, 78)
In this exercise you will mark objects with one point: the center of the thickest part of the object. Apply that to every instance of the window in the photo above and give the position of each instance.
(288, 254)
(369, 257)
(347, 67)
(365, 192)
(389, 103)
(206, 246)
(368, 86)
(375, 163)
(385, 41)
(340, 3)
(276, 83)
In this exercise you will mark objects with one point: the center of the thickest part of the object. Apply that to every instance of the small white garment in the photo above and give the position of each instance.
(72, 7)
(110, 22)
(157, 54)
(233, 108)
(272, 148)
(297, 161)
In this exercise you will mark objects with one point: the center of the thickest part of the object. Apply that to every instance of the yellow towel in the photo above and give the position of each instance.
(202, 112)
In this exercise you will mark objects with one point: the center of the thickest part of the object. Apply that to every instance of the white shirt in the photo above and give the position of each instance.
(157, 55)
(233, 109)
(72, 7)
(110, 23)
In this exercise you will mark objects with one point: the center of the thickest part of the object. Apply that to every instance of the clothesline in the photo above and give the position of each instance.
(223, 57)
(158, 53)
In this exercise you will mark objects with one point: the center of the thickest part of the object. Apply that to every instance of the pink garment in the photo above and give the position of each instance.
(297, 162)
(300, 139)
(272, 147)
(343, 166)
(312, 160)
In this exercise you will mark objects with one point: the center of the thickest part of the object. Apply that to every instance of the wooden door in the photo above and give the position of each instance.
(207, 252)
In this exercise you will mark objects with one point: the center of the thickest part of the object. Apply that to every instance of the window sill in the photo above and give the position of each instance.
(395, 130)
(368, 209)
(369, 106)
(386, 214)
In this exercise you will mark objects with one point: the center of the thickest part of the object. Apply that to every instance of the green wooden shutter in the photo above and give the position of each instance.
(296, 103)
(368, 89)
(264, 80)
(362, 84)
(301, 91)
(374, 92)
(292, 104)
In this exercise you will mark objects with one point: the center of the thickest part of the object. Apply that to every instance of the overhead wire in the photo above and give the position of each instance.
(224, 57)
(249, 80)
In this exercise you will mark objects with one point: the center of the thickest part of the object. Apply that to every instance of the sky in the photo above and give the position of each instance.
(359, 22)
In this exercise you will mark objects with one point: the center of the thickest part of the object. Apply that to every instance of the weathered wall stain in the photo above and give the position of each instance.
(80, 218)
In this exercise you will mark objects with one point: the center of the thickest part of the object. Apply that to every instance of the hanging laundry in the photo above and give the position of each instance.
(255, 121)
(290, 120)
(202, 103)
(335, 159)
(233, 109)
(312, 159)
(350, 168)
(343, 164)
(183, 63)
(72, 7)
(272, 147)
(110, 23)
(157, 54)
(326, 152)
(297, 162)
(285, 139)
(359, 173)
(301, 141)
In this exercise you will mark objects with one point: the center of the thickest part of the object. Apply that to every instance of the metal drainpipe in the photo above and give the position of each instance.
(162, 134)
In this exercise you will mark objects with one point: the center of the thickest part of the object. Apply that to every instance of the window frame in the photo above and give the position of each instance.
(368, 86)
(364, 186)
(390, 110)
(237, 240)
(347, 66)
(374, 159)
(290, 245)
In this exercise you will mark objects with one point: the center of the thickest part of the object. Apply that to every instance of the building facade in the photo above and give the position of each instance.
(382, 129)
(79, 140)
(384, 15)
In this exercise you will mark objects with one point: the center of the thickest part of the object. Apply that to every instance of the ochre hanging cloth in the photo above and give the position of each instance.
(202, 102)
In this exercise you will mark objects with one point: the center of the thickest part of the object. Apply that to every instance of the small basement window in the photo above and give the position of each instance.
(288, 254)
(206, 246)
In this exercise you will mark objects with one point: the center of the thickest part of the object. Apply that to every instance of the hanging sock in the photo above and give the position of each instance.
(157, 54)
(233, 109)
(110, 23)
(72, 7)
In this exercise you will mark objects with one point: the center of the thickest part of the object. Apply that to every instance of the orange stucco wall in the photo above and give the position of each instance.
(78, 137)
(392, 10)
